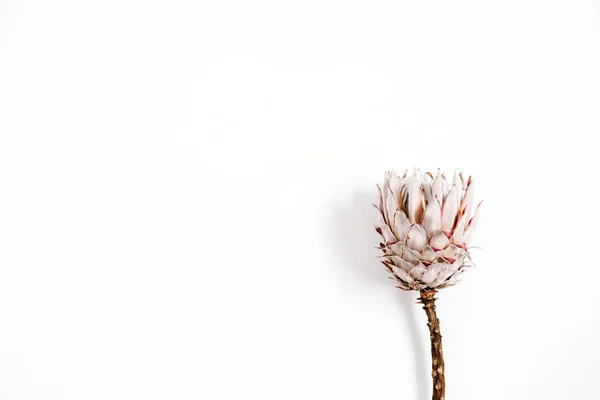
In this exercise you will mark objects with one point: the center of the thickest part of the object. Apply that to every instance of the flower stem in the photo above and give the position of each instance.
(437, 357)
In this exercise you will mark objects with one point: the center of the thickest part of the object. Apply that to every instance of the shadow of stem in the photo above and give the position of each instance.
(408, 302)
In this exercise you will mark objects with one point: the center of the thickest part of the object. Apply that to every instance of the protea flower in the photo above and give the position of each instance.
(426, 223)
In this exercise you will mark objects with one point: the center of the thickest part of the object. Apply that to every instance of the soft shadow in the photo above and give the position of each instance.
(407, 302)
(353, 238)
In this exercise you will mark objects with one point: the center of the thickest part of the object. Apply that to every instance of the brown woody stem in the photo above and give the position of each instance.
(437, 357)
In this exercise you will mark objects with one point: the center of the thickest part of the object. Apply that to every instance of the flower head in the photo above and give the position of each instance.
(426, 223)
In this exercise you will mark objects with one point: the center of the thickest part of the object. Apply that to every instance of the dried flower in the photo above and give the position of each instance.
(426, 224)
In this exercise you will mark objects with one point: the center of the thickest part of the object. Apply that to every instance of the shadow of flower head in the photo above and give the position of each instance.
(354, 237)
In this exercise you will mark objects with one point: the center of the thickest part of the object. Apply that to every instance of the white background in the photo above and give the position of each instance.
(186, 189)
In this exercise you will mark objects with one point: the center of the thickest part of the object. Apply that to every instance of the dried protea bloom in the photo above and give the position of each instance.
(426, 223)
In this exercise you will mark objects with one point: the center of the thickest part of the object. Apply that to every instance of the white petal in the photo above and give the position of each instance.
(418, 174)
(428, 191)
(426, 185)
(391, 206)
(401, 225)
(457, 236)
(462, 262)
(386, 233)
(453, 280)
(429, 254)
(405, 265)
(453, 252)
(400, 262)
(380, 217)
(429, 276)
(450, 209)
(457, 181)
(418, 271)
(396, 185)
(410, 255)
(414, 202)
(393, 259)
(436, 188)
(467, 201)
(432, 220)
(401, 274)
(439, 240)
(445, 270)
(417, 238)
(445, 186)
(451, 276)
(387, 176)
(463, 180)
(439, 266)
(407, 254)
(396, 248)
(384, 191)
(472, 225)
